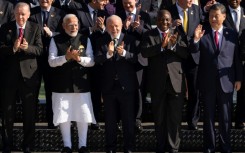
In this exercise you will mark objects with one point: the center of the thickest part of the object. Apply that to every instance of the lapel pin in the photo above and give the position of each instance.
(226, 32)
(191, 12)
(1, 12)
(52, 15)
(244, 16)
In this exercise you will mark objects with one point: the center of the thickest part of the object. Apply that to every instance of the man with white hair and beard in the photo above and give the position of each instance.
(70, 54)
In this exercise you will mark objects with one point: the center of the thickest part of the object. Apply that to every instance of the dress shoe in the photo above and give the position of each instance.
(138, 125)
(83, 149)
(111, 151)
(209, 151)
(127, 151)
(239, 126)
(66, 150)
(192, 127)
(27, 150)
(95, 127)
(173, 151)
(51, 126)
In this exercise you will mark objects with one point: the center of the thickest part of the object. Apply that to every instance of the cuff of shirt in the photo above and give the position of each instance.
(124, 53)
(63, 59)
(108, 56)
(173, 47)
(196, 41)
(14, 50)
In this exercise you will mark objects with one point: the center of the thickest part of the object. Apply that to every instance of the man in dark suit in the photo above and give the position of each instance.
(6, 15)
(116, 52)
(165, 52)
(91, 18)
(194, 16)
(150, 7)
(50, 18)
(136, 22)
(20, 44)
(235, 19)
(220, 71)
(6, 12)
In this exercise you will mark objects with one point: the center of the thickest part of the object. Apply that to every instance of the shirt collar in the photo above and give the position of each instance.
(133, 12)
(162, 31)
(91, 10)
(237, 9)
(118, 36)
(220, 31)
(180, 9)
(23, 27)
(48, 10)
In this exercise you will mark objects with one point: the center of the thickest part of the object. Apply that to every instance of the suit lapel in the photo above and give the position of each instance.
(52, 14)
(39, 17)
(190, 19)
(225, 35)
(156, 35)
(14, 32)
(120, 39)
(242, 20)
(88, 16)
(211, 37)
(136, 15)
(176, 16)
(28, 30)
(230, 20)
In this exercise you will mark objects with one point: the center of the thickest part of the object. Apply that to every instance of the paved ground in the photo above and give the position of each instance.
(121, 152)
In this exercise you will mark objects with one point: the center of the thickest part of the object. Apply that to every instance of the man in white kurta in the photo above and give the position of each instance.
(70, 53)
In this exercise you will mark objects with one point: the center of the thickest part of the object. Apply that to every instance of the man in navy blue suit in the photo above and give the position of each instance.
(194, 16)
(235, 20)
(219, 73)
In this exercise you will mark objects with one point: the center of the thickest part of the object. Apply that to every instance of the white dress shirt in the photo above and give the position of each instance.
(71, 106)
(220, 35)
(238, 10)
(181, 13)
(55, 60)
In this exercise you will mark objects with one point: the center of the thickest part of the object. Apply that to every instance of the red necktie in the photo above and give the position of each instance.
(164, 35)
(216, 39)
(20, 34)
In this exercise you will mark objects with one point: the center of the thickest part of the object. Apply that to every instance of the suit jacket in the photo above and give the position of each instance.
(86, 21)
(22, 63)
(162, 64)
(225, 64)
(195, 17)
(6, 12)
(230, 24)
(54, 19)
(145, 24)
(54, 22)
(117, 66)
(149, 6)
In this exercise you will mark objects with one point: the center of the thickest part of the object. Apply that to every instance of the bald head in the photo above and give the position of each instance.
(21, 13)
(114, 25)
(164, 20)
(70, 25)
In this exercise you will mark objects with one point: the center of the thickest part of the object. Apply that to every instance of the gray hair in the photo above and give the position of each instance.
(22, 4)
(68, 16)
(113, 17)
(218, 6)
